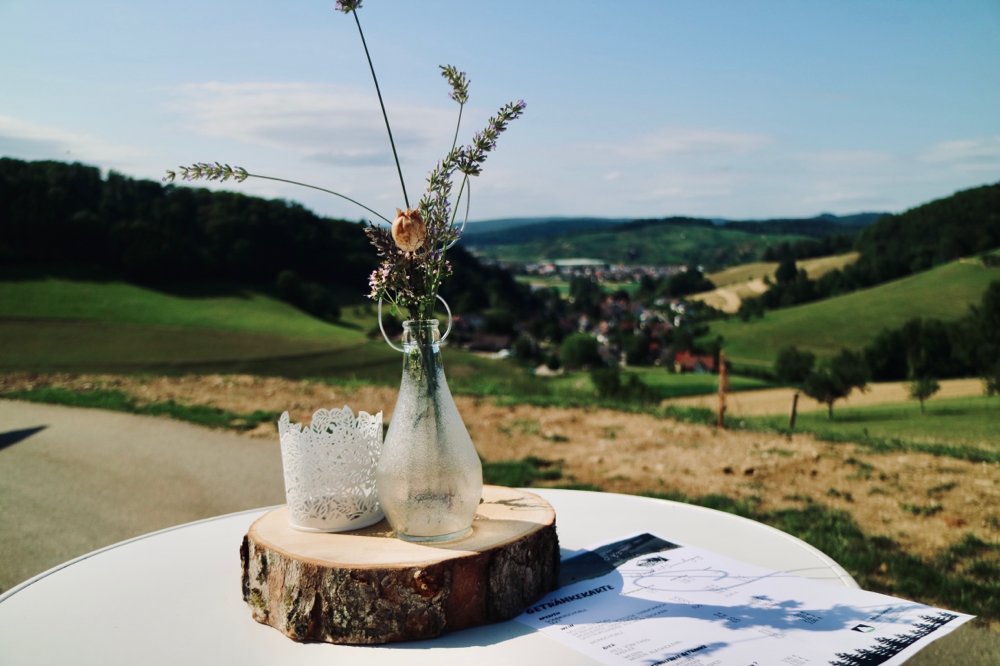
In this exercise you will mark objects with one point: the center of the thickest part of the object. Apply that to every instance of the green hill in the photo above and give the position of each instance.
(78, 320)
(943, 230)
(206, 306)
(853, 320)
(661, 243)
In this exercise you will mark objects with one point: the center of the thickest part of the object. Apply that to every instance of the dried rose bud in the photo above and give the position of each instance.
(408, 230)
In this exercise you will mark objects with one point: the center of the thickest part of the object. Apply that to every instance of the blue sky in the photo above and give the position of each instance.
(651, 108)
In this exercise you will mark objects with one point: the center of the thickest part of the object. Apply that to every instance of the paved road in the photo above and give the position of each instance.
(74, 480)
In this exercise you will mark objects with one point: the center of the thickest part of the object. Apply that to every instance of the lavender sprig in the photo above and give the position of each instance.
(459, 83)
(207, 171)
(459, 92)
(223, 172)
(470, 162)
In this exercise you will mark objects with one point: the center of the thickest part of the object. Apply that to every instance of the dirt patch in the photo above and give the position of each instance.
(924, 502)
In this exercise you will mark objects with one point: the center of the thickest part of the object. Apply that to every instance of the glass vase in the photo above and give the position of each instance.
(429, 477)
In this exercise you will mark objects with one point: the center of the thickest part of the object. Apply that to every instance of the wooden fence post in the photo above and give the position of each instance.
(723, 388)
(795, 406)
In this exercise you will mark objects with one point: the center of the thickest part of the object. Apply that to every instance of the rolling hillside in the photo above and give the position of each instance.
(853, 320)
(59, 324)
(739, 282)
(652, 244)
(83, 322)
(208, 306)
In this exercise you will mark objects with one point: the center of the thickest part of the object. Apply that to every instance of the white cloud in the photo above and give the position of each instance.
(31, 141)
(967, 155)
(328, 124)
(847, 159)
(690, 142)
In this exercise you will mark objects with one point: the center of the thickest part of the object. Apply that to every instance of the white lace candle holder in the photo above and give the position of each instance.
(330, 470)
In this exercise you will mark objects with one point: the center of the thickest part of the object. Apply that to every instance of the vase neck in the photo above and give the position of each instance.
(420, 333)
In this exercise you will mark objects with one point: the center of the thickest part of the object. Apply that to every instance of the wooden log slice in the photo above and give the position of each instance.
(367, 586)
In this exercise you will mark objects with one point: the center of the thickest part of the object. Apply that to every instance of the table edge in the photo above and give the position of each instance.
(846, 579)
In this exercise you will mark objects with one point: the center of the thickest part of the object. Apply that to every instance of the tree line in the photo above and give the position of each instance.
(964, 224)
(921, 352)
(54, 213)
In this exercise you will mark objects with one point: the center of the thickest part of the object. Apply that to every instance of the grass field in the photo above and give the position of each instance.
(669, 385)
(853, 320)
(973, 421)
(107, 347)
(83, 321)
(218, 307)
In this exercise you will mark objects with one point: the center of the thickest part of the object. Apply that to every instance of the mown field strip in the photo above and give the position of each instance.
(745, 272)
(769, 402)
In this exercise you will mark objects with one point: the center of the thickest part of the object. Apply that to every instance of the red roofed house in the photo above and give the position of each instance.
(700, 365)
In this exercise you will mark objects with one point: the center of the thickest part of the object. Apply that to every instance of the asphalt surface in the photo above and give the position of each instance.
(75, 480)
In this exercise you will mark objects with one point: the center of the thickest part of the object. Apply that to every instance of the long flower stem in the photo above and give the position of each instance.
(382, 104)
(454, 142)
(313, 187)
(458, 200)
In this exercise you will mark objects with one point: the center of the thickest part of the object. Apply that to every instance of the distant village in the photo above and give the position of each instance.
(618, 316)
(601, 270)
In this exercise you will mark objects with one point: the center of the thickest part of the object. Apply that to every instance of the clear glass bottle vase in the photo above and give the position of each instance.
(429, 477)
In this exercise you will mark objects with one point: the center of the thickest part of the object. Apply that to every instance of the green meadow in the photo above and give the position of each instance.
(953, 422)
(88, 322)
(218, 306)
(853, 320)
(84, 321)
(668, 384)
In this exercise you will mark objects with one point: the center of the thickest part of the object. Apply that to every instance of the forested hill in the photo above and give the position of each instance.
(51, 212)
(524, 230)
(966, 223)
(54, 213)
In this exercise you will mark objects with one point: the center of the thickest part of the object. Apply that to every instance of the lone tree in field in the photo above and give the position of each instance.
(793, 366)
(922, 389)
(837, 379)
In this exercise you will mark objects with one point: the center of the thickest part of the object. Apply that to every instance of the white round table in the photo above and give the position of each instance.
(173, 597)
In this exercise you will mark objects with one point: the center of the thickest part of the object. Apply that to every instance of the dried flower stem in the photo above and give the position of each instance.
(295, 182)
(385, 116)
